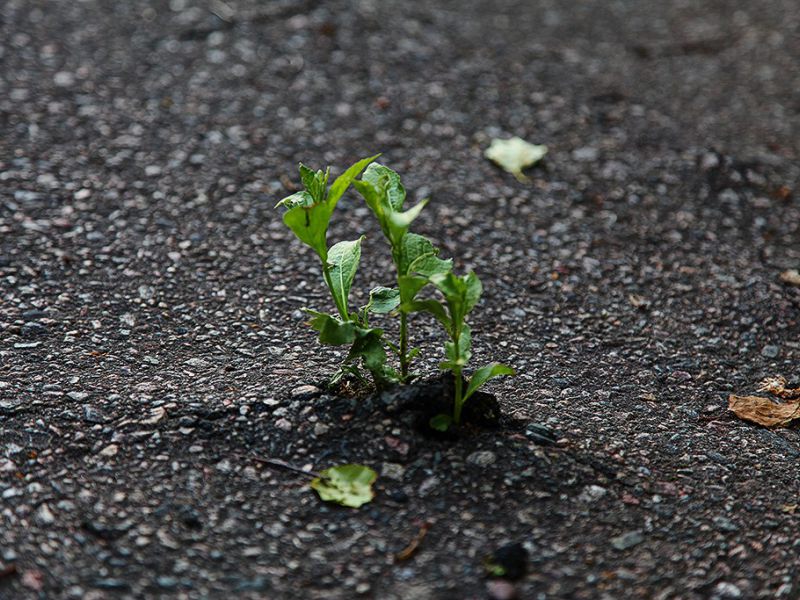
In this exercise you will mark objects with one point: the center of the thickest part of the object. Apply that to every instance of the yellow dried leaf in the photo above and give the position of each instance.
(792, 277)
(514, 155)
(763, 410)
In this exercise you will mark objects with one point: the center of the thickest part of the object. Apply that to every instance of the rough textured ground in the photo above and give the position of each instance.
(150, 332)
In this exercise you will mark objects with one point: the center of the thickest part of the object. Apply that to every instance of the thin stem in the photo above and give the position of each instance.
(458, 393)
(403, 345)
(458, 383)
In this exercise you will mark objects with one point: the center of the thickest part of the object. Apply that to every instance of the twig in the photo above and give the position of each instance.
(411, 549)
(279, 464)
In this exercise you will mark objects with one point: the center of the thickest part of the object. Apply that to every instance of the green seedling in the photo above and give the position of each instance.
(308, 215)
(461, 294)
(415, 258)
(417, 264)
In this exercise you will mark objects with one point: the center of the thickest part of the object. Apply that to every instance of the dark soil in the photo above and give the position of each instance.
(151, 337)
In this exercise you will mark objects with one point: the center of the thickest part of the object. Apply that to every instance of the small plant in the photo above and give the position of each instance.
(461, 294)
(417, 265)
(308, 215)
(415, 258)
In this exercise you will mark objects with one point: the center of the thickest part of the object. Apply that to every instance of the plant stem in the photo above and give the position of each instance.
(457, 397)
(403, 345)
(458, 383)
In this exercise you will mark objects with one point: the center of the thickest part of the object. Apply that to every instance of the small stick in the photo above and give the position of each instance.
(279, 464)
(411, 549)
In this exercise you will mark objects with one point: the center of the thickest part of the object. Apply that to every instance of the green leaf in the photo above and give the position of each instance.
(398, 222)
(348, 485)
(383, 300)
(484, 374)
(372, 197)
(473, 291)
(339, 187)
(332, 331)
(298, 199)
(515, 154)
(460, 293)
(434, 308)
(441, 422)
(430, 264)
(343, 259)
(310, 211)
(383, 178)
(409, 285)
(310, 225)
(413, 247)
(419, 255)
(315, 182)
(449, 284)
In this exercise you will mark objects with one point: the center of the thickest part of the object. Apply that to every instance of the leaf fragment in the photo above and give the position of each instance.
(776, 385)
(514, 155)
(348, 485)
(441, 422)
(792, 277)
(764, 411)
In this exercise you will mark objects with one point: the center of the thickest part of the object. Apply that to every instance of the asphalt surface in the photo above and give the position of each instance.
(152, 339)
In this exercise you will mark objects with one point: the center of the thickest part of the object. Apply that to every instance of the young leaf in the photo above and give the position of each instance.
(398, 222)
(409, 285)
(419, 255)
(340, 185)
(383, 178)
(441, 422)
(332, 331)
(343, 259)
(315, 182)
(348, 485)
(430, 264)
(310, 212)
(436, 309)
(301, 199)
(483, 375)
(369, 347)
(309, 224)
(383, 300)
(473, 291)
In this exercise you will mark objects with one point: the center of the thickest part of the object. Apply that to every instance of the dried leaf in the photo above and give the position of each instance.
(777, 386)
(792, 277)
(515, 154)
(764, 411)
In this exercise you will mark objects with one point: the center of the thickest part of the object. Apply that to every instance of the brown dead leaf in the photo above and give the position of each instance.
(777, 386)
(764, 411)
(792, 277)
